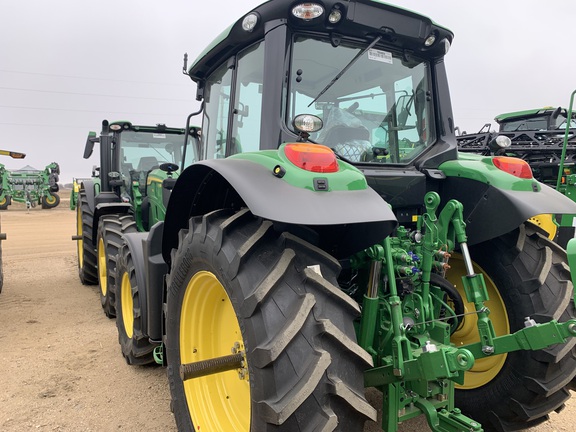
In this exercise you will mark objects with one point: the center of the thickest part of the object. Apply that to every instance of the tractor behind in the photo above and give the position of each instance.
(547, 141)
(127, 192)
(332, 238)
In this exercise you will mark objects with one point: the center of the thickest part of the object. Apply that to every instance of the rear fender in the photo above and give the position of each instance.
(352, 219)
(490, 212)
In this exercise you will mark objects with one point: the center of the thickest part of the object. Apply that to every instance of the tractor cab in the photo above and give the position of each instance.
(365, 81)
(542, 119)
(139, 165)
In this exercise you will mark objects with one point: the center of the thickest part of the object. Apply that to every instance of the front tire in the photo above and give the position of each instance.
(237, 284)
(136, 347)
(109, 240)
(86, 252)
(528, 277)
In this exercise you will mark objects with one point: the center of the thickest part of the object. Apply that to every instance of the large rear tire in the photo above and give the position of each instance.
(110, 231)
(238, 284)
(136, 347)
(527, 276)
(86, 251)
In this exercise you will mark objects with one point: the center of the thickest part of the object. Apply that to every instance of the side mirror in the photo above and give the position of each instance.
(90, 144)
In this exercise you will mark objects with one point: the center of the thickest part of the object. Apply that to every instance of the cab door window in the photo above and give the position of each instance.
(217, 112)
(248, 100)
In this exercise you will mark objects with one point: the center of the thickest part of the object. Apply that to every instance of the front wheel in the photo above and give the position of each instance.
(268, 303)
(526, 276)
(86, 251)
(135, 345)
(110, 231)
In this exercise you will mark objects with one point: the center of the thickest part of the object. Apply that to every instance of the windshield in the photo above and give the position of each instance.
(561, 122)
(143, 151)
(532, 123)
(377, 111)
(539, 123)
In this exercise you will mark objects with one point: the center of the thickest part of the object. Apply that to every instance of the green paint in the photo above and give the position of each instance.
(347, 178)
(482, 169)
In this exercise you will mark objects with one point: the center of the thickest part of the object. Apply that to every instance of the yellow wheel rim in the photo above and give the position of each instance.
(484, 369)
(546, 222)
(127, 305)
(102, 267)
(209, 329)
(3, 201)
(80, 242)
(50, 199)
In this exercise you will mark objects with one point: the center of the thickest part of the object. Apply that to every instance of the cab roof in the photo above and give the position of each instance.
(360, 18)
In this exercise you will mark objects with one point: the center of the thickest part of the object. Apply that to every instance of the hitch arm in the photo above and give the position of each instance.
(532, 337)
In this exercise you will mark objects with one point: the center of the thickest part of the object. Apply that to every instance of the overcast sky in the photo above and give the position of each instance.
(65, 65)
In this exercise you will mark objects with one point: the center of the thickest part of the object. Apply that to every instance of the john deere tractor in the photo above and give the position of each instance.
(127, 193)
(544, 138)
(332, 238)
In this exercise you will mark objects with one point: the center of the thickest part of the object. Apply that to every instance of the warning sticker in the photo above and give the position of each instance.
(159, 135)
(381, 56)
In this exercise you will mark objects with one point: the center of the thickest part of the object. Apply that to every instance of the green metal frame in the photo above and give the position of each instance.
(29, 187)
(416, 366)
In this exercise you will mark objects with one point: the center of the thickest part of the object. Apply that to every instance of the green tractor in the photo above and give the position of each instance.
(126, 193)
(332, 238)
(30, 186)
(545, 139)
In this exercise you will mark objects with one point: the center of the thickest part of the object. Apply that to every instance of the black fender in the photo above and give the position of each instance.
(88, 186)
(490, 212)
(135, 243)
(156, 269)
(342, 222)
(106, 208)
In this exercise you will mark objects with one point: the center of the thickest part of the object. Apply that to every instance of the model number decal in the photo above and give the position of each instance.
(381, 56)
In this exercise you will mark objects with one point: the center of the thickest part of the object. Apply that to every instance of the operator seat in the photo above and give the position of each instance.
(351, 142)
(147, 163)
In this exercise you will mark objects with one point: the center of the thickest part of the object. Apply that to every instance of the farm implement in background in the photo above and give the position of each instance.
(30, 186)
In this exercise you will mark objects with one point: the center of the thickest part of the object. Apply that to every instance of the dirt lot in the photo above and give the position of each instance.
(61, 364)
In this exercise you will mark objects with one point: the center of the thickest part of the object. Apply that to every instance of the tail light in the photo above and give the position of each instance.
(511, 165)
(312, 157)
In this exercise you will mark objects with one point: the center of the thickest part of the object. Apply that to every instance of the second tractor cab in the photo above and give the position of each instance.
(128, 192)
